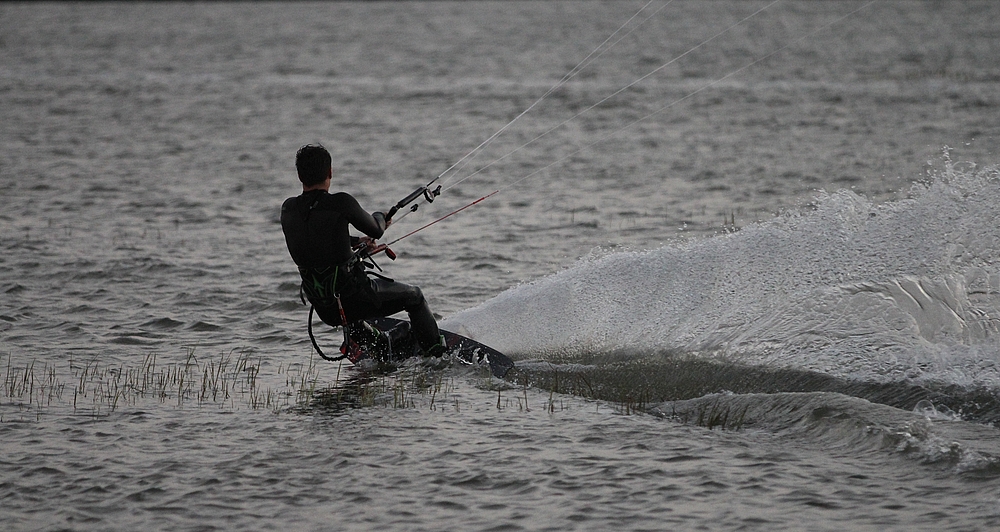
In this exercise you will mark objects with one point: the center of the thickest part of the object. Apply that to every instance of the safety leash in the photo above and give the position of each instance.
(343, 324)
(312, 337)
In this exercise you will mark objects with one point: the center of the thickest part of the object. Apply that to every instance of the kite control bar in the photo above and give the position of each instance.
(367, 254)
(380, 248)
(426, 192)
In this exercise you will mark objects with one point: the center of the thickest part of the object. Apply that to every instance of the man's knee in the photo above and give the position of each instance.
(417, 295)
(407, 295)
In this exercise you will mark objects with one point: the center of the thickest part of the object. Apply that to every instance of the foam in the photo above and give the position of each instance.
(906, 289)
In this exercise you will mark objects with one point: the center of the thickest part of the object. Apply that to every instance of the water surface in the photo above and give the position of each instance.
(739, 299)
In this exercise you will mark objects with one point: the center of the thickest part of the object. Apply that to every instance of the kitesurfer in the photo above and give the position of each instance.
(316, 227)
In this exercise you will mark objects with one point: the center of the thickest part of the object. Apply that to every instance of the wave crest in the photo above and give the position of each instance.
(907, 290)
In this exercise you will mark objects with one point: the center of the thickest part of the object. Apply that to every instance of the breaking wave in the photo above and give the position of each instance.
(838, 422)
(849, 322)
(906, 290)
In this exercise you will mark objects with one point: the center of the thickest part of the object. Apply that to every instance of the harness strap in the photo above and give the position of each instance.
(313, 338)
(348, 341)
(343, 323)
(315, 285)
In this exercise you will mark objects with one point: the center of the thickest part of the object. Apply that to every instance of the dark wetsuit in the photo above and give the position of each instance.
(318, 238)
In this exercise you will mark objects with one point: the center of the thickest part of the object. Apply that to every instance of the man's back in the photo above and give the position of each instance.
(315, 225)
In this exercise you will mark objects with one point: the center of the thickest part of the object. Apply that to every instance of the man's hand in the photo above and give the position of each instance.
(366, 245)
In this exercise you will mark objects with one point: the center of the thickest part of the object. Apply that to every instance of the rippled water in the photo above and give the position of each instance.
(738, 312)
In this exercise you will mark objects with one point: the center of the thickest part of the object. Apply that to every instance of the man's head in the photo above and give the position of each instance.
(313, 164)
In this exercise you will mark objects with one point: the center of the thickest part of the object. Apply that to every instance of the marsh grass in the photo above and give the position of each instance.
(230, 380)
(411, 387)
(234, 380)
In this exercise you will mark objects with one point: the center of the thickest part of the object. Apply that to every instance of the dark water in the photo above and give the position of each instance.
(757, 299)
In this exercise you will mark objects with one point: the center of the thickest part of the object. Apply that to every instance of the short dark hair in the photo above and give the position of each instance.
(312, 162)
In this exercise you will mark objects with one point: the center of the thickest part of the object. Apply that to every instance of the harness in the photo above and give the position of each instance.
(321, 287)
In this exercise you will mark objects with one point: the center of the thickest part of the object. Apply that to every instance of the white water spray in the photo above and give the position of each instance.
(908, 289)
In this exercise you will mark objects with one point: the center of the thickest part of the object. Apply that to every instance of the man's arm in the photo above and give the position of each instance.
(371, 224)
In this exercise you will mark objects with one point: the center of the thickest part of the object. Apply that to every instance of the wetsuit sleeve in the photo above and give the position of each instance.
(371, 224)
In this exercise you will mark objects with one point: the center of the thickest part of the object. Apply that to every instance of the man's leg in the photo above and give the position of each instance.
(391, 297)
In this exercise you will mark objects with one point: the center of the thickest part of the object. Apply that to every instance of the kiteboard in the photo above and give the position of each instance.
(382, 343)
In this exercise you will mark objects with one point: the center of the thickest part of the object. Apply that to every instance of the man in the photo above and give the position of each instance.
(316, 226)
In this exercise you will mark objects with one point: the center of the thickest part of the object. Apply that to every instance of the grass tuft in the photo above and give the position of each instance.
(231, 381)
